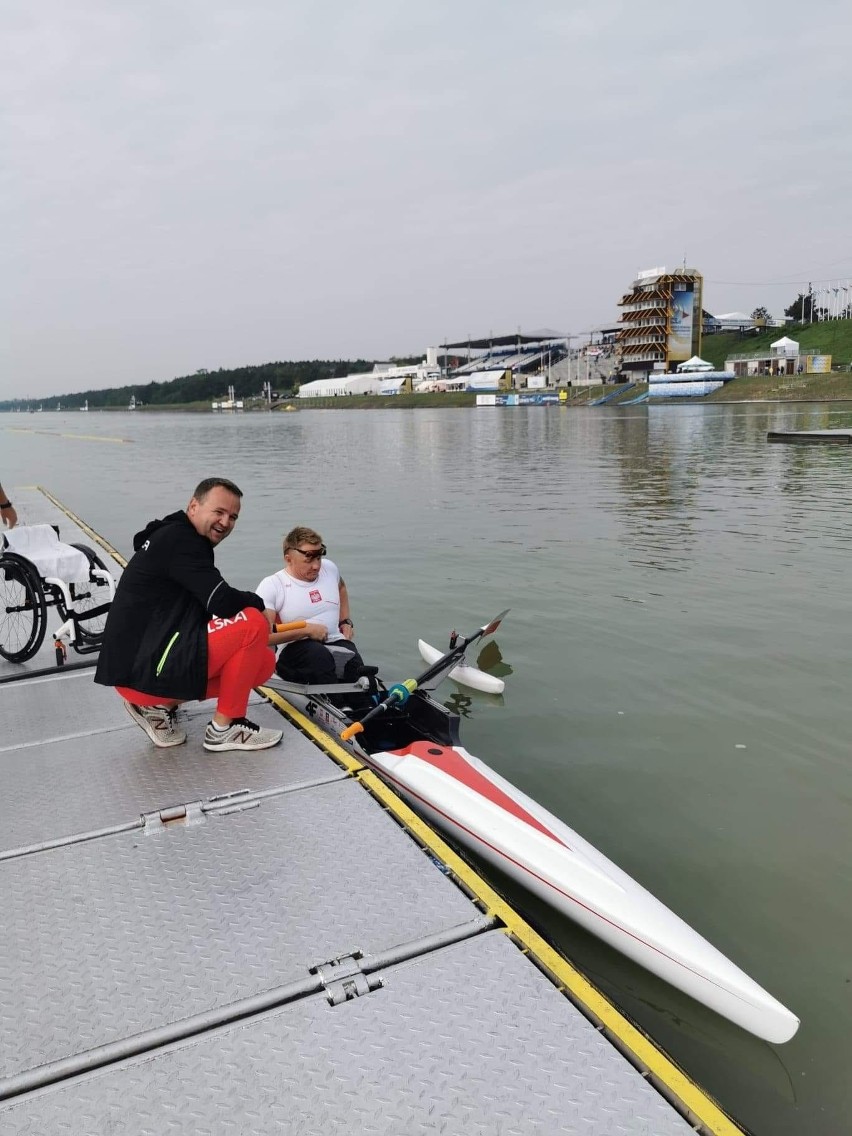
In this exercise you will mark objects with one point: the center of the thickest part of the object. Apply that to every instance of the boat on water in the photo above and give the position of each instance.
(412, 741)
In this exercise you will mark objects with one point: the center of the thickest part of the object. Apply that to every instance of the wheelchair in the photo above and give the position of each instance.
(38, 571)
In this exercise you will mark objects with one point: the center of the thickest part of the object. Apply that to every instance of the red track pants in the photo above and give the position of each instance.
(238, 659)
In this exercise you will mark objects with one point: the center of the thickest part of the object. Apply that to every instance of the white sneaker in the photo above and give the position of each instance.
(241, 734)
(158, 722)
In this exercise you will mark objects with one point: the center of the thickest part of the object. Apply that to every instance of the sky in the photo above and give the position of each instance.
(191, 184)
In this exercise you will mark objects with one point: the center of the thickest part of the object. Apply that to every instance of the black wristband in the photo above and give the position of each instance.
(5, 504)
(346, 623)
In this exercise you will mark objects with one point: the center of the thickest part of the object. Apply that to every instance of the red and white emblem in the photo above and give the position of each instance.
(316, 597)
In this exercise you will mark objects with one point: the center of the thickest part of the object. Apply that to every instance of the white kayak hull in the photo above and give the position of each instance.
(463, 673)
(481, 810)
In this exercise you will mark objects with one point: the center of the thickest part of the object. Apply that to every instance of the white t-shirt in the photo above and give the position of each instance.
(317, 601)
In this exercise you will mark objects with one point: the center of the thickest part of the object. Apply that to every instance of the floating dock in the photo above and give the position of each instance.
(273, 943)
(812, 437)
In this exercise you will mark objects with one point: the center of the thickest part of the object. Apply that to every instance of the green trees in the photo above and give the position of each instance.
(207, 386)
(805, 309)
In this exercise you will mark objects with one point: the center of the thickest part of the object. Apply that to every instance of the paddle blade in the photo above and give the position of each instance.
(491, 627)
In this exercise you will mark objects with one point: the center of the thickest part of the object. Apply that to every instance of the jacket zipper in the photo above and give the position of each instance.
(165, 653)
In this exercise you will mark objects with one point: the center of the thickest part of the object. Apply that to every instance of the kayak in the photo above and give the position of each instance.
(415, 747)
(463, 673)
(480, 809)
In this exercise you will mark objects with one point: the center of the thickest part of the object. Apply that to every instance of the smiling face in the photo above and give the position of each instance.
(215, 515)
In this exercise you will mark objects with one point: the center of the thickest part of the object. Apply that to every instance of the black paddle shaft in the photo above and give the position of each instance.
(443, 663)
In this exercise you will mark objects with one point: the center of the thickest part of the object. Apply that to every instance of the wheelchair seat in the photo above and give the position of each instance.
(38, 570)
(40, 544)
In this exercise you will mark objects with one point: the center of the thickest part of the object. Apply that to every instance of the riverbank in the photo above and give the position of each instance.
(762, 388)
(787, 388)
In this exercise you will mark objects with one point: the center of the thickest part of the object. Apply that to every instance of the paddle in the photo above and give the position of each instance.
(401, 691)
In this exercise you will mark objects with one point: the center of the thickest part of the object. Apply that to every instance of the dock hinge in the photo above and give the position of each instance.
(185, 814)
(198, 811)
(343, 979)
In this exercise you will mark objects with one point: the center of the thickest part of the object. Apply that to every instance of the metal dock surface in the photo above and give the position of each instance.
(274, 943)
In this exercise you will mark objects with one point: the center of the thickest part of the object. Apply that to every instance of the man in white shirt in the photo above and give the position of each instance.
(310, 587)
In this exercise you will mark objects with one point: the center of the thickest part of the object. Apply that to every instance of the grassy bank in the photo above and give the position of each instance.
(833, 337)
(790, 388)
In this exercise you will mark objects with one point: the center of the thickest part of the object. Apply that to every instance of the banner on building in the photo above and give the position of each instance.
(679, 346)
(818, 364)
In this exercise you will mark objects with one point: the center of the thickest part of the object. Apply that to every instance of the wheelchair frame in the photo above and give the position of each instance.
(83, 617)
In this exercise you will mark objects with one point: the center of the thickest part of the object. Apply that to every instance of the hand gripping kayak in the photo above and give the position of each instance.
(400, 691)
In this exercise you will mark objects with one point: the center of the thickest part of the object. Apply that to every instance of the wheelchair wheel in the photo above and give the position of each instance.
(91, 600)
(23, 618)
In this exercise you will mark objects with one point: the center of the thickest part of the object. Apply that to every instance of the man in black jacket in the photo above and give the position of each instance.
(177, 631)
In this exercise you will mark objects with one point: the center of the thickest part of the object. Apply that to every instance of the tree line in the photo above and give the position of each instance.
(206, 386)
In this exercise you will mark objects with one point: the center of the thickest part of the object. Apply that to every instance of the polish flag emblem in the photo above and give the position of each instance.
(316, 597)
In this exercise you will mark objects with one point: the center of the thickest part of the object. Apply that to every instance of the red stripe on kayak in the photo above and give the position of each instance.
(454, 765)
(477, 838)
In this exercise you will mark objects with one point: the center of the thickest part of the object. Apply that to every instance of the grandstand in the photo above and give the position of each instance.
(520, 355)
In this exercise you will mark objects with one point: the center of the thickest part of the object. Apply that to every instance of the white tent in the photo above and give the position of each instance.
(784, 346)
(694, 364)
(348, 385)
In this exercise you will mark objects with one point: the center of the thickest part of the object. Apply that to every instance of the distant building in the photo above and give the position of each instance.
(385, 378)
(487, 361)
(345, 385)
(783, 357)
(661, 321)
(499, 379)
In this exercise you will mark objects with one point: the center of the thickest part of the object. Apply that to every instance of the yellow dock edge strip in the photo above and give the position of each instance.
(646, 1055)
(87, 529)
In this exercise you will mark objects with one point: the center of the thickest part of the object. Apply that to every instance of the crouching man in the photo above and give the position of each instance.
(176, 631)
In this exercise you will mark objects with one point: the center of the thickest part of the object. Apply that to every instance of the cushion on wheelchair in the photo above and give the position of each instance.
(42, 547)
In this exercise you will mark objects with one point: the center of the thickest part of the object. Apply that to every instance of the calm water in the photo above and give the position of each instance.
(679, 646)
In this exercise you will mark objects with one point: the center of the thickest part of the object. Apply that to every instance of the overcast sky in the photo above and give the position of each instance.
(202, 183)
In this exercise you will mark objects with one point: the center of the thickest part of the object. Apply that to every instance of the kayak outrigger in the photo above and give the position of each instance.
(413, 742)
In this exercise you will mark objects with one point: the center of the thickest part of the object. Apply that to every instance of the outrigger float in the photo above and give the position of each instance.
(413, 742)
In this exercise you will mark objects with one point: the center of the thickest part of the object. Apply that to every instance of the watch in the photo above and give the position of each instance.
(5, 504)
(346, 623)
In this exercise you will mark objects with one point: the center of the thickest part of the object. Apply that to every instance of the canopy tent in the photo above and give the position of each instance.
(695, 364)
(545, 335)
(784, 346)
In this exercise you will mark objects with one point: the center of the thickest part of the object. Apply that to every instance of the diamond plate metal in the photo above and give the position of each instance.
(75, 707)
(109, 777)
(468, 1040)
(106, 938)
(100, 940)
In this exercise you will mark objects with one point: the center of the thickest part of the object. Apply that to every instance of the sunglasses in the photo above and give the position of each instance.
(310, 554)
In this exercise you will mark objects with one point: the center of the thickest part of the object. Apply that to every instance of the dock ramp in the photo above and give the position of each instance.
(614, 394)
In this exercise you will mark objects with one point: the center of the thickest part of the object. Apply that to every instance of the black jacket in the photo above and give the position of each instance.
(156, 632)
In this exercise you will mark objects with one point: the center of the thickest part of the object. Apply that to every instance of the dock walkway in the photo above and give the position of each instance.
(222, 943)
